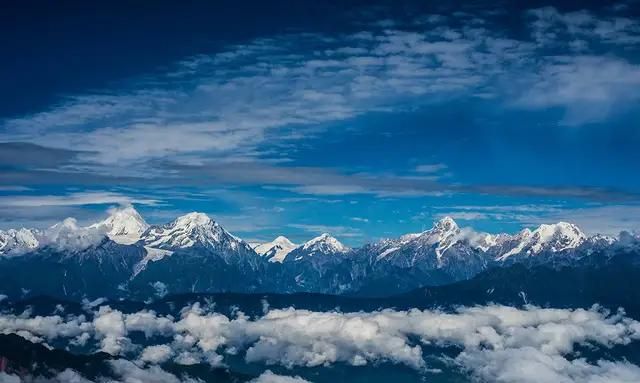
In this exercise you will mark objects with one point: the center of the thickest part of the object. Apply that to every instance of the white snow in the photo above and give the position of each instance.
(554, 238)
(387, 252)
(444, 233)
(277, 249)
(153, 255)
(16, 242)
(124, 225)
(325, 244)
(184, 232)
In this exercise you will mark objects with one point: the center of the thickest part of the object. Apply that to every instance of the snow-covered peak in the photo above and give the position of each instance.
(442, 229)
(193, 219)
(547, 237)
(276, 250)
(193, 230)
(446, 224)
(557, 237)
(189, 230)
(601, 238)
(282, 240)
(16, 242)
(124, 225)
(325, 244)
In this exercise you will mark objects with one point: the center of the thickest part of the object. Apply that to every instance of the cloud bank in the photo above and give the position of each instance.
(495, 343)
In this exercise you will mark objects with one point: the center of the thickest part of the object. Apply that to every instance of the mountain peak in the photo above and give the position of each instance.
(124, 225)
(193, 219)
(326, 244)
(190, 230)
(559, 236)
(16, 242)
(282, 240)
(276, 250)
(445, 224)
(552, 237)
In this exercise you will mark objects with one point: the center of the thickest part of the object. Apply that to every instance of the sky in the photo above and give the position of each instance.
(362, 119)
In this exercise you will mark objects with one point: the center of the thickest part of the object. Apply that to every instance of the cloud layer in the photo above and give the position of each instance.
(496, 343)
(281, 89)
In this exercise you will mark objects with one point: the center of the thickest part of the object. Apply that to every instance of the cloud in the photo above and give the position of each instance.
(337, 230)
(331, 182)
(608, 219)
(270, 377)
(496, 343)
(430, 168)
(174, 129)
(590, 88)
(552, 27)
(127, 372)
(156, 354)
(30, 154)
(74, 199)
(465, 216)
(67, 235)
(385, 68)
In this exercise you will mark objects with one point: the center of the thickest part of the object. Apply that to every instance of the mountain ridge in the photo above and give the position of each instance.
(194, 253)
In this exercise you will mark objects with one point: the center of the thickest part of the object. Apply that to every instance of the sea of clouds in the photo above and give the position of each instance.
(496, 343)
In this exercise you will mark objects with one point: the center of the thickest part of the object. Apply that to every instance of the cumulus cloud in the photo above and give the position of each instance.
(156, 354)
(497, 343)
(68, 235)
(123, 371)
(270, 377)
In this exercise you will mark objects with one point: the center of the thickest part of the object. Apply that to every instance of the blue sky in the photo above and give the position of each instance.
(362, 119)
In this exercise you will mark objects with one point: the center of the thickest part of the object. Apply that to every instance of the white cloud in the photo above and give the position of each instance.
(430, 168)
(74, 199)
(67, 235)
(590, 88)
(346, 76)
(156, 354)
(336, 230)
(110, 329)
(270, 377)
(608, 219)
(552, 27)
(498, 343)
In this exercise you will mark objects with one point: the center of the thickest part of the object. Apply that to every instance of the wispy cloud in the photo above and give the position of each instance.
(74, 199)
(177, 129)
(335, 230)
(312, 78)
(430, 168)
(593, 219)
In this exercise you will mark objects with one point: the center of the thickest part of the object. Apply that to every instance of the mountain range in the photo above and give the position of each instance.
(123, 256)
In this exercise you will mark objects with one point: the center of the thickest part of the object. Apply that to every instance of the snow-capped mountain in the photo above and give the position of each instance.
(442, 254)
(16, 242)
(124, 225)
(196, 232)
(320, 264)
(194, 253)
(546, 238)
(321, 245)
(444, 234)
(190, 230)
(276, 250)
